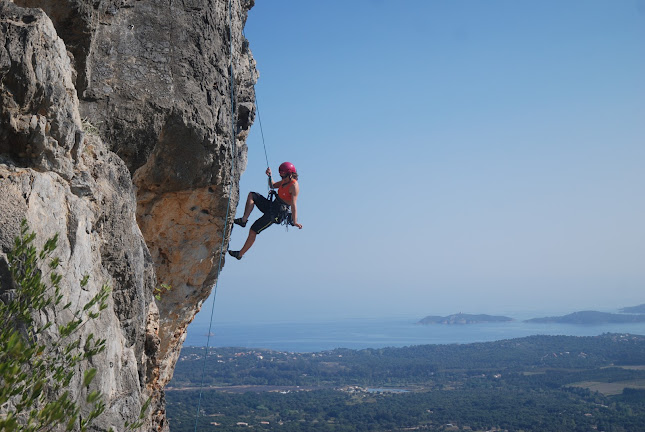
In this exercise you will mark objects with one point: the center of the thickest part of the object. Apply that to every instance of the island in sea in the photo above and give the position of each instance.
(462, 318)
(590, 317)
(640, 309)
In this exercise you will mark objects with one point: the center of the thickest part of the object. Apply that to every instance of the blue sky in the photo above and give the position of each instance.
(473, 156)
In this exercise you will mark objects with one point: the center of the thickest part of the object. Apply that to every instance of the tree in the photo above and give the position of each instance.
(38, 360)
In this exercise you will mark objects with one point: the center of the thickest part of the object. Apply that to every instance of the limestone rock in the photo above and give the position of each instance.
(63, 180)
(38, 124)
(139, 188)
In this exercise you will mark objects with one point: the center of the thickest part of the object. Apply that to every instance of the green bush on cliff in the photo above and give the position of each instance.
(38, 360)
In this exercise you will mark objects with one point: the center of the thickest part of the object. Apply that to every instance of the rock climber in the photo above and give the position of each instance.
(276, 211)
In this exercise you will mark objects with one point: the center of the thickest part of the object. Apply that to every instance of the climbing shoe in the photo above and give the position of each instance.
(239, 222)
(235, 254)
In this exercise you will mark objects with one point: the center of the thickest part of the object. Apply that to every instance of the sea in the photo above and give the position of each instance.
(363, 333)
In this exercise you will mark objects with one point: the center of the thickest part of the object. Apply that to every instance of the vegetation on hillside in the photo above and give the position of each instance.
(528, 384)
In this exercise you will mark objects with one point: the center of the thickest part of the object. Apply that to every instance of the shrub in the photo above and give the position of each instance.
(38, 360)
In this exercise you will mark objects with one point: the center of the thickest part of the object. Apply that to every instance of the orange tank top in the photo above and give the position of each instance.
(283, 192)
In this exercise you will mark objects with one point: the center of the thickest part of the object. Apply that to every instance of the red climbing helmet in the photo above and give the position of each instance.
(287, 168)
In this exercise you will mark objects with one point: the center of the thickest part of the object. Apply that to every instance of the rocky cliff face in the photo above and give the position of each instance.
(115, 131)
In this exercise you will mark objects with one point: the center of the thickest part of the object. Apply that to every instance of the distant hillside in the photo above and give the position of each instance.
(640, 309)
(536, 383)
(590, 317)
(461, 318)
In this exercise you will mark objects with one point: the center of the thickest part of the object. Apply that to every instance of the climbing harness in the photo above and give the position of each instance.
(283, 214)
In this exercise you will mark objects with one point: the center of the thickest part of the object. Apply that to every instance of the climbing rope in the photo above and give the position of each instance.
(228, 204)
(257, 109)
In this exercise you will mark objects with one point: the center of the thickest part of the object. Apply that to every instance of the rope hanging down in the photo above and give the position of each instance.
(228, 204)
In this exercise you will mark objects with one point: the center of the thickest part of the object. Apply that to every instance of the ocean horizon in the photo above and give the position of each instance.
(361, 333)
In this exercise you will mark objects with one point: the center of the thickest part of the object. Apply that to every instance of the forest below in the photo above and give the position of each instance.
(545, 383)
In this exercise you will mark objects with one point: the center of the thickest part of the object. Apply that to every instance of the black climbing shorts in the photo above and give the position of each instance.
(274, 212)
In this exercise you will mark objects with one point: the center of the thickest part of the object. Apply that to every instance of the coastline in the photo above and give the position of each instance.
(380, 333)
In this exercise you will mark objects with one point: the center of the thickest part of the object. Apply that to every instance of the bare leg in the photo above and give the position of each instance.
(248, 208)
(249, 242)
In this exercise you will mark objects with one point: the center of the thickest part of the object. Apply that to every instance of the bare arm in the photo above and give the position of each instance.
(294, 190)
(272, 184)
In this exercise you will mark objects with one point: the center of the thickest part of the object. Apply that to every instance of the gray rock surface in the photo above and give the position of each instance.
(138, 189)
